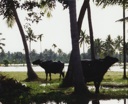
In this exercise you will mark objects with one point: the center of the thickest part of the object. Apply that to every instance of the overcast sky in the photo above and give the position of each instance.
(56, 29)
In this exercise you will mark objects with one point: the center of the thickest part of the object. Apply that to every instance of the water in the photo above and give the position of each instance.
(111, 101)
(19, 69)
(94, 101)
(39, 69)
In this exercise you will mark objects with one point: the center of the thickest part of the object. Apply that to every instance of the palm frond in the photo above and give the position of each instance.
(122, 19)
(105, 3)
(40, 37)
(2, 39)
(1, 48)
(2, 44)
(10, 21)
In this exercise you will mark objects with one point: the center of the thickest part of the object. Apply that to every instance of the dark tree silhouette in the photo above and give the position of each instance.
(8, 9)
(68, 79)
(78, 79)
(91, 32)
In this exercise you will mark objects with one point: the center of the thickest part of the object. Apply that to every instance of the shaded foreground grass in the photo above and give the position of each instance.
(113, 86)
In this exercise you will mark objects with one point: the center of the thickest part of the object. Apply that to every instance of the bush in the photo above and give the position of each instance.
(5, 62)
(12, 91)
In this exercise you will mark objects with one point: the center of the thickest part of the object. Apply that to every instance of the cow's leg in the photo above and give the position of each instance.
(60, 76)
(46, 76)
(63, 74)
(50, 76)
(97, 85)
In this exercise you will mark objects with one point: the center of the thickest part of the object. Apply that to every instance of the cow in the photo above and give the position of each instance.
(50, 67)
(95, 70)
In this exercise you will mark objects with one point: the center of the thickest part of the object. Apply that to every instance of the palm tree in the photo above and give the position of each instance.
(109, 46)
(127, 48)
(30, 37)
(84, 38)
(68, 80)
(54, 46)
(40, 38)
(31, 74)
(105, 3)
(124, 43)
(119, 45)
(124, 4)
(86, 5)
(1, 44)
(98, 48)
(8, 9)
(59, 51)
(82, 13)
(91, 32)
(78, 79)
(126, 19)
(124, 46)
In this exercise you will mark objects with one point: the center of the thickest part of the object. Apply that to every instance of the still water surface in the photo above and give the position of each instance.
(39, 69)
(110, 101)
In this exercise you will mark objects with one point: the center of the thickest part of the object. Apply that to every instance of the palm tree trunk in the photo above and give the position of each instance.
(124, 47)
(31, 74)
(78, 79)
(68, 80)
(91, 32)
(40, 46)
(29, 45)
(84, 47)
(85, 6)
(82, 13)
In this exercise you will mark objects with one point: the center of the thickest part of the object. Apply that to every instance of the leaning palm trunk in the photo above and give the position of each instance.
(91, 32)
(82, 13)
(31, 74)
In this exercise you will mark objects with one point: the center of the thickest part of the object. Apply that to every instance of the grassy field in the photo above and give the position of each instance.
(111, 77)
(112, 86)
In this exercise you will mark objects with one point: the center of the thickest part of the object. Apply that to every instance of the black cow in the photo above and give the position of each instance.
(51, 67)
(95, 70)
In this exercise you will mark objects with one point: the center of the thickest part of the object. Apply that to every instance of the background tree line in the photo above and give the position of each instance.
(19, 57)
(111, 47)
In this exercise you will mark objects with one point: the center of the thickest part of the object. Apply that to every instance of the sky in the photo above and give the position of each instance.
(56, 30)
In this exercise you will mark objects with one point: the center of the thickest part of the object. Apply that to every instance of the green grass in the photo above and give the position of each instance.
(112, 86)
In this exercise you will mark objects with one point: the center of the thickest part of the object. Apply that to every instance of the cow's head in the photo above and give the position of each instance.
(111, 60)
(36, 62)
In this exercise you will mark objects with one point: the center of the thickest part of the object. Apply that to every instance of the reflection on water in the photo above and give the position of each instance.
(76, 100)
(94, 101)
(86, 101)
(80, 101)
(111, 101)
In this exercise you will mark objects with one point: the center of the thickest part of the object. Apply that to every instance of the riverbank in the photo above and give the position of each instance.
(111, 80)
